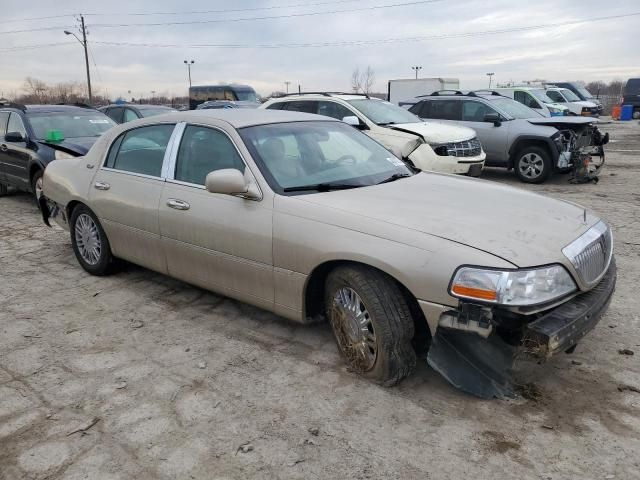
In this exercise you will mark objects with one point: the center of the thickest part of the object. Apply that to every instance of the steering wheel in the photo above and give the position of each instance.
(346, 160)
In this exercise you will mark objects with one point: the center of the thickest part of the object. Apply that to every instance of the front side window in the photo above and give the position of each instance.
(16, 125)
(4, 118)
(204, 150)
(129, 115)
(333, 110)
(383, 113)
(140, 150)
(445, 110)
(570, 96)
(526, 99)
(514, 109)
(319, 154)
(473, 111)
(555, 96)
(116, 113)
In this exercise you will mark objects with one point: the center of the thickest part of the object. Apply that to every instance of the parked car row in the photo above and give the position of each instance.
(306, 216)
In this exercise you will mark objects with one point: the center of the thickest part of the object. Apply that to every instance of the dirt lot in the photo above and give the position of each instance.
(186, 384)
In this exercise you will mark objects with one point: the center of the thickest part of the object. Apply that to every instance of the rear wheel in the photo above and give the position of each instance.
(532, 164)
(371, 322)
(90, 243)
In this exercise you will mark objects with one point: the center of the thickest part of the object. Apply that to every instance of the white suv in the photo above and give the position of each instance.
(428, 146)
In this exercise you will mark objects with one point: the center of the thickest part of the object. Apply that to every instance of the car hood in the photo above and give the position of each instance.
(562, 121)
(523, 228)
(585, 103)
(433, 132)
(77, 145)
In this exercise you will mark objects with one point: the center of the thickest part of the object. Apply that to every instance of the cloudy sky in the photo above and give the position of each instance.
(448, 38)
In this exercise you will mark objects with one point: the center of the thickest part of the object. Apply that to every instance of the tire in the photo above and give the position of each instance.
(375, 305)
(90, 243)
(636, 114)
(532, 164)
(36, 186)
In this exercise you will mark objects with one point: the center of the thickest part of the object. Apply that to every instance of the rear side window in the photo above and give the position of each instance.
(445, 110)
(333, 110)
(116, 114)
(276, 106)
(306, 106)
(140, 150)
(204, 150)
(4, 117)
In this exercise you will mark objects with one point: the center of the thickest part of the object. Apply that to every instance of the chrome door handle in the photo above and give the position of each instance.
(102, 186)
(178, 204)
(3, 148)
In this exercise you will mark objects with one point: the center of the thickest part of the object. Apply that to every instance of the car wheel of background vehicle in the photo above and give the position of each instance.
(636, 114)
(371, 322)
(532, 165)
(36, 186)
(90, 243)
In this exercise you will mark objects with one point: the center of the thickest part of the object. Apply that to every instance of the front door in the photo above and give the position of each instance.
(15, 156)
(126, 191)
(493, 138)
(219, 242)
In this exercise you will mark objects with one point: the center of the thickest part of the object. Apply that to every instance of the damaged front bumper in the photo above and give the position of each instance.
(479, 360)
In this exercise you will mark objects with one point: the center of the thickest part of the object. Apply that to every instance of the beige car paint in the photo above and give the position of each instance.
(418, 230)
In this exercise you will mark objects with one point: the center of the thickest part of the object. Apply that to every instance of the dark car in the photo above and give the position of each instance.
(226, 104)
(581, 92)
(126, 112)
(631, 95)
(31, 136)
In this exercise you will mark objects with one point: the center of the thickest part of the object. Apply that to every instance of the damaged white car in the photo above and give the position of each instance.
(426, 145)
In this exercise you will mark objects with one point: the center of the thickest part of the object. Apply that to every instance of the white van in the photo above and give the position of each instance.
(535, 98)
(569, 99)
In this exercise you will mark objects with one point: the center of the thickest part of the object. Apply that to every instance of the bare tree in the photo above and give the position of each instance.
(363, 81)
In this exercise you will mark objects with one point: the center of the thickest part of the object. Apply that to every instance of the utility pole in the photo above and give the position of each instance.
(417, 68)
(490, 75)
(83, 42)
(188, 64)
(287, 85)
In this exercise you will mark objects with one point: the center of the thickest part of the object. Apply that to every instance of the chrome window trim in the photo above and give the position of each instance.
(133, 174)
(575, 248)
(170, 174)
(105, 155)
(171, 153)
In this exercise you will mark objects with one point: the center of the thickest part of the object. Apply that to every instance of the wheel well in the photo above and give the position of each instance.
(529, 142)
(71, 207)
(32, 171)
(314, 298)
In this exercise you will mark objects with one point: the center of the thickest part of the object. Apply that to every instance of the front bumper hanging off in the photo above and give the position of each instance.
(484, 366)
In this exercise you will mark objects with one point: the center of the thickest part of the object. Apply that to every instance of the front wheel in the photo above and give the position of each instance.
(36, 186)
(90, 243)
(371, 322)
(533, 165)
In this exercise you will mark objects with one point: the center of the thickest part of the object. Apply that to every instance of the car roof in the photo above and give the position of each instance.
(57, 108)
(323, 96)
(137, 105)
(237, 117)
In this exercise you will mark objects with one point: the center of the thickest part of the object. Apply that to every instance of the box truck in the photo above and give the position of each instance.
(406, 88)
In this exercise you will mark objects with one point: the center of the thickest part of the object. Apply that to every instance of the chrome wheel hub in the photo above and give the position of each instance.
(88, 239)
(531, 165)
(353, 328)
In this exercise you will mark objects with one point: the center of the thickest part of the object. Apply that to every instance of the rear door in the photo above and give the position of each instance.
(126, 191)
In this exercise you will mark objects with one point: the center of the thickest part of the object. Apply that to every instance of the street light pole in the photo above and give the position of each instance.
(287, 85)
(83, 42)
(188, 64)
(490, 75)
(417, 68)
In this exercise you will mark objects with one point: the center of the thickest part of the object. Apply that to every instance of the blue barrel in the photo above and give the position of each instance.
(626, 113)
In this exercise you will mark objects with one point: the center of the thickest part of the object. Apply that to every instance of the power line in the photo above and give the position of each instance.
(340, 43)
(39, 29)
(270, 17)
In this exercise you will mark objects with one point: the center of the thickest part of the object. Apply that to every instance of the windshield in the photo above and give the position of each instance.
(541, 95)
(72, 125)
(150, 112)
(319, 153)
(246, 95)
(514, 109)
(584, 92)
(383, 113)
(569, 95)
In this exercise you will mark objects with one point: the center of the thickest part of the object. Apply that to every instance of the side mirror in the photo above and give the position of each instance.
(14, 137)
(354, 122)
(493, 118)
(230, 181)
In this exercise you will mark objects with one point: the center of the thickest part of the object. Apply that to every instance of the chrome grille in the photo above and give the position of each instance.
(591, 253)
(468, 148)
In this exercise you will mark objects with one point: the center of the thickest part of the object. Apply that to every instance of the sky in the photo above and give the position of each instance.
(462, 39)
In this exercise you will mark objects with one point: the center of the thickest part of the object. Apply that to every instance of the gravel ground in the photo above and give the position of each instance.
(170, 381)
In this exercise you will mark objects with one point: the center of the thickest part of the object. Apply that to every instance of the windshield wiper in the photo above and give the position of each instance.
(394, 177)
(321, 187)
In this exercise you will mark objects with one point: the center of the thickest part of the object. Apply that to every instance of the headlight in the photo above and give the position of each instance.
(512, 287)
(59, 155)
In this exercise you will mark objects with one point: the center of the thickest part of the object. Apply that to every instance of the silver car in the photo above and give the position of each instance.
(309, 218)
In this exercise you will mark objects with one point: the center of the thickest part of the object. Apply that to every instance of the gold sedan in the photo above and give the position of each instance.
(309, 218)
